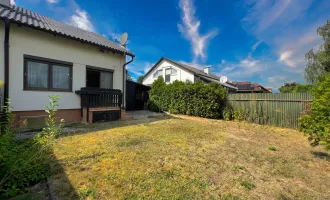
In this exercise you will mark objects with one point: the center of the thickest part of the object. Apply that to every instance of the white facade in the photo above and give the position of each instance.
(181, 74)
(27, 41)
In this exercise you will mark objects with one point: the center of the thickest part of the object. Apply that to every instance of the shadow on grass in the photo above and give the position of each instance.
(321, 155)
(82, 129)
(58, 185)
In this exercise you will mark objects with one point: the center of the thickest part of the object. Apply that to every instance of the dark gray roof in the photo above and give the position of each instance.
(31, 19)
(223, 84)
(195, 71)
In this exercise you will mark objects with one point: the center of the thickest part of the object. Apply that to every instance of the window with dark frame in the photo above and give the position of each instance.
(99, 78)
(43, 74)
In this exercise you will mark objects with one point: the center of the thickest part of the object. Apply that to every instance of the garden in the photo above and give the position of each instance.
(201, 149)
(180, 157)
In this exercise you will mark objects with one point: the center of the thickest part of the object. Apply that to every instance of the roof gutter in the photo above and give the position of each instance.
(6, 60)
(124, 79)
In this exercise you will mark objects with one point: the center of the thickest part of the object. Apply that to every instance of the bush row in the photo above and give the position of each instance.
(195, 99)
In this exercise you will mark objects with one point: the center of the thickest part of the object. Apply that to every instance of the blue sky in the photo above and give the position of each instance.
(246, 40)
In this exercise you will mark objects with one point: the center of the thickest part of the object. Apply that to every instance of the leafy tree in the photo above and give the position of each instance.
(128, 76)
(140, 79)
(317, 124)
(318, 62)
(287, 87)
(301, 88)
(295, 88)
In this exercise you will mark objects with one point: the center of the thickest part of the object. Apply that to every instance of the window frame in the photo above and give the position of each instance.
(99, 69)
(50, 63)
(170, 69)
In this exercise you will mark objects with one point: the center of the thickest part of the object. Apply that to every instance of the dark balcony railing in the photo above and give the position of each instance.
(99, 97)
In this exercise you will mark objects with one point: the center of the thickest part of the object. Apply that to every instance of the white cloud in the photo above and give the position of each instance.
(286, 57)
(12, 2)
(189, 27)
(249, 62)
(52, 1)
(147, 67)
(243, 70)
(264, 14)
(279, 80)
(195, 65)
(81, 20)
(288, 30)
(256, 45)
(276, 79)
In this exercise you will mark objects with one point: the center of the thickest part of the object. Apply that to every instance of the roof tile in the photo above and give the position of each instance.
(26, 17)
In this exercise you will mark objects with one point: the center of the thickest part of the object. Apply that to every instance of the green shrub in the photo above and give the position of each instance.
(152, 106)
(317, 124)
(195, 99)
(25, 162)
(272, 148)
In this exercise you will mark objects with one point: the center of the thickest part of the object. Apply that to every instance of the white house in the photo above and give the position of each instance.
(172, 70)
(42, 57)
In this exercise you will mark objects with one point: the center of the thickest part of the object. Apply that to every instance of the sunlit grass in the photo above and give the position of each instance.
(188, 158)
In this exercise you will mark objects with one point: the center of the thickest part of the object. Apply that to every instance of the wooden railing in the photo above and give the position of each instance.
(98, 97)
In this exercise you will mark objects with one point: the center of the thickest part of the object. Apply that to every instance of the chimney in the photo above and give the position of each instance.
(207, 70)
(5, 3)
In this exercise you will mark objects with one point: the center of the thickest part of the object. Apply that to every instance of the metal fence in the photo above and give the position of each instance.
(282, 109)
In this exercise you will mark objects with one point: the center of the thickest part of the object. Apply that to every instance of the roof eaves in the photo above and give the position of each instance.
(12, 19)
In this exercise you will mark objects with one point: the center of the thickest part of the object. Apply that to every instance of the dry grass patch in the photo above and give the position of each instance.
(189, 158)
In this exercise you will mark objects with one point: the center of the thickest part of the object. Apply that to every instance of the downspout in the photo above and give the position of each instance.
(124, 80)
(6, 60)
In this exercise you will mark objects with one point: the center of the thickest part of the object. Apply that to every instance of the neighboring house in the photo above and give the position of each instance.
(248, 87)
(172, 70)
(43, 57)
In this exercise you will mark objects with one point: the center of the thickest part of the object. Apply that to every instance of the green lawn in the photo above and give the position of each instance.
(189, 158)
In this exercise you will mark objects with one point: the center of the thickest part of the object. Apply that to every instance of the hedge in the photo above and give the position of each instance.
(194, 99)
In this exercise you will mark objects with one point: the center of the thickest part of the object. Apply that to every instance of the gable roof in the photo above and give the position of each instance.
(31, 19)
(197, 72)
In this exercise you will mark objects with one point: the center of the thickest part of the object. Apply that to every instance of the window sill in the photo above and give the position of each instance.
(38, 90)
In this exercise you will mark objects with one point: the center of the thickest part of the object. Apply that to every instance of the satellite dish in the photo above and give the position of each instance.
(123, 39)
(223, 79)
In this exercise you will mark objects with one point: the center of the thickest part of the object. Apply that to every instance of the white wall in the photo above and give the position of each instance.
(28, 41)
(182, 75)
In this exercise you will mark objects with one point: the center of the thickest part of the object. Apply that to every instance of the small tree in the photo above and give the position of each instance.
(318, 62)
(25, 163)
(128, 76)
(295, 88)
(317, 124)
(287, 87)
(140, 79)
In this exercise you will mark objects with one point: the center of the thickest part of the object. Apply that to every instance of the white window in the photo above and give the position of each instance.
(158, 73)
(168, 75)
(174, 72)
